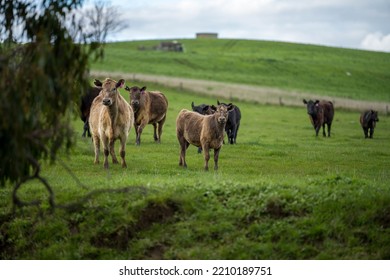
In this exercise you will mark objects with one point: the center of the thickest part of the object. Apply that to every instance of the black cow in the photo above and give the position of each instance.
(320, 113)
(202, 109)
(368, 120)
(233, 123)
(85, 105)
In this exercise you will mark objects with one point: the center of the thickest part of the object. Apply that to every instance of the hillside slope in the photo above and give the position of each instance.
(316, 70)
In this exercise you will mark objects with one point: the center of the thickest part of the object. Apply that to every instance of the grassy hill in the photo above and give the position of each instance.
(280, 193)
(338, 72)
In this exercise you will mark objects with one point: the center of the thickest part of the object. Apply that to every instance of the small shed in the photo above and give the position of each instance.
(207, 35)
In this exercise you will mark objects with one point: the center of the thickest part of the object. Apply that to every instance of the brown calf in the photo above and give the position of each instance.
(320, 113)
(111, 118)
(150, 107)
(202, 131)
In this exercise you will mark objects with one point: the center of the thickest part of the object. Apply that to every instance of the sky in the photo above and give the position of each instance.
(357, 24)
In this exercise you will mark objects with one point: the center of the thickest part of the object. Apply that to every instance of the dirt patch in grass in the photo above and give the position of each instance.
(154, 212)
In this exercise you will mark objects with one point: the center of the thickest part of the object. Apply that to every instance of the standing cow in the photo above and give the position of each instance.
(233, 123)
(202, 131)
(202, 109)
(150, 107)
(368, 120)
(85, 105)
(111, 118)
(320, 113)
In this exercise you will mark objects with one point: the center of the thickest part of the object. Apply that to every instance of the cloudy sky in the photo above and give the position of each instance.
(359, 24)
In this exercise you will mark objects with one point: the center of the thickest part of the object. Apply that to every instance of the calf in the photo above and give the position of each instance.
(111, 118)
(233, 123)
(85, 105)
(368, 120)
(202, 131)
(202, 109)
(150, 107)
(320, 113)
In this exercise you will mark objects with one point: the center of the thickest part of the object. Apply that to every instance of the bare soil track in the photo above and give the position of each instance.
(261, 95)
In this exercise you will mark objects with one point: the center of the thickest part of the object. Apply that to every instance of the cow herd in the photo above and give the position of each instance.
(107, 117)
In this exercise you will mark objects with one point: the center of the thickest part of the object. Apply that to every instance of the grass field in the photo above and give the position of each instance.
(337, 72)
(280, 193)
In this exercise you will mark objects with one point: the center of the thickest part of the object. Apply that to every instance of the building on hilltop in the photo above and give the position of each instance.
(207, 35)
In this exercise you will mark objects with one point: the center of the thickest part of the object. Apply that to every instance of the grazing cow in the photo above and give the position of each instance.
(320, 113)
(202, 109)
(85, 105)
(368, 120)
(150, 107)
(111, 118)
(233, 123)
(202, 131)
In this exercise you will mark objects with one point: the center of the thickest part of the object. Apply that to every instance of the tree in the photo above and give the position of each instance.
(103, 19)
(42, 75)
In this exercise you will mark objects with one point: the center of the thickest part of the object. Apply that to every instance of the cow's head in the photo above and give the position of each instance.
(222, 112)
(373, 116)
(110, 91)
(202, 109)
(136, 94)
(312, 107)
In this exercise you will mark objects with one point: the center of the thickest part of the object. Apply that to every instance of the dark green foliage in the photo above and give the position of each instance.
(42, 74)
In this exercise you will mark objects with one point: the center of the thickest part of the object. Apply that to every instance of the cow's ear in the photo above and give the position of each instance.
(192, 105)
(304, 101)
(98, 83)
(213, 108)
(218, 102)
(120, 83)
(316, 102)
(143, 89)
(230, 107)
(127, 88)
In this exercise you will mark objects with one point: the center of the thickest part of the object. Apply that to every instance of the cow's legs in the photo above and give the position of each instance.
(183, 147)
(365, 129)
(216, 154)
(206, 151)
(329, 127)
(371, 132)
(106, 151)
(112, 151)
(122, 151)
(96, 142)
(139, 131)
(160, 127)
(323, 130)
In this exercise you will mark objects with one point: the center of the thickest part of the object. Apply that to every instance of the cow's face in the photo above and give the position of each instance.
(312, 107)
(136, 94)
(222, 112)
(374, 116)
(110, 91)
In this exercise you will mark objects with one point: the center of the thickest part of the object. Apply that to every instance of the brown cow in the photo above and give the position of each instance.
(368, 120)
(111, 118)
(320, 113)
(204, 131)
(150, 107)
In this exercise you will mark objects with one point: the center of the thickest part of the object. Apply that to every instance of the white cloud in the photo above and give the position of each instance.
(376, 42)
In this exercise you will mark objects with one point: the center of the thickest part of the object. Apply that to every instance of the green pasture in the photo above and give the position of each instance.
(338, 72)
(279, 193)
